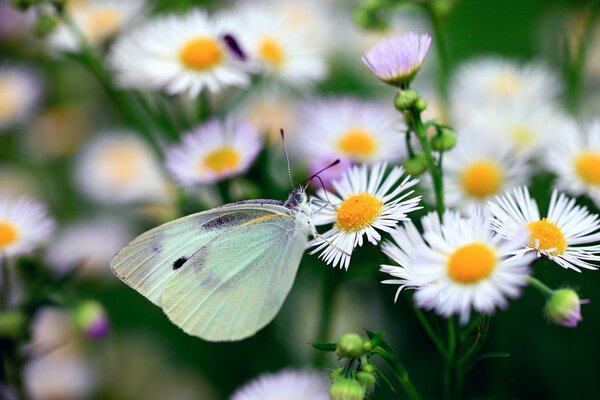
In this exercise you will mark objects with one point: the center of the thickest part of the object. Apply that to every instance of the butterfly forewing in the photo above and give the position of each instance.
(236, 283)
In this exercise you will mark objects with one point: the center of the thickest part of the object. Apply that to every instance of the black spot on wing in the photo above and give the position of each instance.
(179, 263)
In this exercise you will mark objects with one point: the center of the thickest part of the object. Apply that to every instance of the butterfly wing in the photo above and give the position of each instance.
(150, 260)
(235, 284)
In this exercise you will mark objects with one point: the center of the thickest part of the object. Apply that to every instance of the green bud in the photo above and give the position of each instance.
(368, 346)
(350, 345)
(415, 166)
(91, 318)
(444, 141)
(564, 308)
(367, 367)
(12, 324)
(366, 379)
(336, 374)
(44, 25)
(346, 389)
(406, 99)
(421, 105)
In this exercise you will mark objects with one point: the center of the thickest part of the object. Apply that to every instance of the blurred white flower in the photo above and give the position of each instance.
(214, 151)
(89, 245)
(277, 47)
(97, 20)
(119, 167)
(360, 131)
(24, 225)
(17, 182)
(286, 384)
(20, 92)
(178, 54)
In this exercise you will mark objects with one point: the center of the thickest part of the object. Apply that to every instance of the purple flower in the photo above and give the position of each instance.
(397, 59)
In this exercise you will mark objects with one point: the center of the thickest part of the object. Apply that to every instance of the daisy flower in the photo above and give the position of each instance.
(214, 151)
(574, 156)
(397, 59)
(463, 265)
(479, 168)
(289, 384)
(363, 132)
(565, 236)
(97, 20)
(287, 51)
(24, 225)
(119, 167)
(363, 202)
(20, 92)
(494, 82)
(177, 54)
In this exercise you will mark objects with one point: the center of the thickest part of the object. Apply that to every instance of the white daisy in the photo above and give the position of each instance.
(566, 235)
(20, 92)
(214, 151)
(574, 156)
(178, 54)
(481, 167)
(363, 132)
(24, 225)
(464, 266)
(363, 202)
(493, 81)
(289, 384)
(119, 167)
(89, 245)
(276, 47)
(97, 20)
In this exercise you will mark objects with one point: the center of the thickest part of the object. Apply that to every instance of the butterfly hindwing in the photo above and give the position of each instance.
(236, 283)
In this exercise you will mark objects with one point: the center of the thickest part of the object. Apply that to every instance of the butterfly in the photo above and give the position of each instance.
(221, 274)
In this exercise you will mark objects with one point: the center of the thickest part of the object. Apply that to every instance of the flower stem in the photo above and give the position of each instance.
(399, 370)
(5, 293)
(441, 49)
(329, 286)
(433, 335)
(539, 285)
(450, 362)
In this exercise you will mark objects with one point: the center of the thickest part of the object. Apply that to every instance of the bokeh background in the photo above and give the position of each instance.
(146, 357)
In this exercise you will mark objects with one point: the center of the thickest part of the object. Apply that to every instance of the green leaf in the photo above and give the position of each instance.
(384, 378)
(324, 346)
(375, 340)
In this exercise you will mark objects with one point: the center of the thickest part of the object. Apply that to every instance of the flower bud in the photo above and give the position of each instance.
(367, 367)
(421, 105)
(12, 324)
(346, 389)
(563, 308)
(366, 379)
(415, 166)
(336, 374)
(90, 316)
(406, 99)
(350, 345)
(444, 141)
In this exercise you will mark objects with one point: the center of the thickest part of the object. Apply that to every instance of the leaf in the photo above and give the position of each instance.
(376, 340)
(384, 378)
(324, 346)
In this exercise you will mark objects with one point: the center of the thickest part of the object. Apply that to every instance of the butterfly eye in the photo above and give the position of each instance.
(299, 197)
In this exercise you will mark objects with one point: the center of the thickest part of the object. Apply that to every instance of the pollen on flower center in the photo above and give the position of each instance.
(357, 142)
(8, 233)
(482, 179)
(103, 22)
(521, 134)
(270, 50)
(222, 160)
(201, 53)
(122, 164)
(506, 84)
(546, 235)
(358, 211)
(471, 263)
(587, 166)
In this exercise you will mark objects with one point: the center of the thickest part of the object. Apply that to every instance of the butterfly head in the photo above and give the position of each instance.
(297, 199)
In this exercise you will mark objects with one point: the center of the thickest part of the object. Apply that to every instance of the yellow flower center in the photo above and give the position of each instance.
(521, 134)
(506, 84)
(357, 142)
(103, 23)
(8, 233)
(471, 263)
(357, 212)
(587, 166)
(271, 51)
(482, 179)
(201, 53)
(222, 160)
(548, 235)
(122, 163)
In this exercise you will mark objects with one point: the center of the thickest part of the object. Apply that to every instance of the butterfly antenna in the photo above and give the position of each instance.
(287, 157)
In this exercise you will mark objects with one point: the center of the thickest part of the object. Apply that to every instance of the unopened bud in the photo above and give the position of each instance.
(90, 316)
(350, 345)
(421, 105)
(564, 308)
(346, 389)
(444, 141)
(366, 379)
(406, 99)
(415, 166)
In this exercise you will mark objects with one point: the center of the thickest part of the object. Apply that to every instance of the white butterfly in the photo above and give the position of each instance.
(221, 274)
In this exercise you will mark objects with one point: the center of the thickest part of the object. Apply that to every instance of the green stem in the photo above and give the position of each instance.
(539, 285)
(434, 170)
(401, 374)
(450, 362)
(433, 335)
(441, 50)
(223, 187)
(5, 295)
(329, 286)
